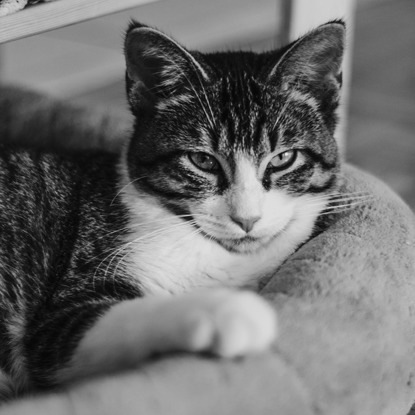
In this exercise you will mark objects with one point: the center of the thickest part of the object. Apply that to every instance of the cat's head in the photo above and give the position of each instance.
(239, 143)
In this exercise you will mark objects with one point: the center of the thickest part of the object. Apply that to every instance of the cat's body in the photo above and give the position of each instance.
(231, 162)
(60, 272)
(57, 221)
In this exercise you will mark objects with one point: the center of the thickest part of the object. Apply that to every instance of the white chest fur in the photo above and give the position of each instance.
(169, 256)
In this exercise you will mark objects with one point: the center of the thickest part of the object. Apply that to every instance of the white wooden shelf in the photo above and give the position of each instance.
(48, 16)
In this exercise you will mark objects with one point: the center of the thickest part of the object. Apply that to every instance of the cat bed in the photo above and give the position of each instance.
(345, 302)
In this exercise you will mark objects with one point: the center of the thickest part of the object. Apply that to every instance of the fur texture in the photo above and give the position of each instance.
(231, 166)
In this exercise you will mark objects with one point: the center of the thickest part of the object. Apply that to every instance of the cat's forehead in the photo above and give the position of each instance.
(241, 89)
(240, 113)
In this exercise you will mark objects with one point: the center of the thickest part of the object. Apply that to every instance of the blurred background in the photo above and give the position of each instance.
(83, 64)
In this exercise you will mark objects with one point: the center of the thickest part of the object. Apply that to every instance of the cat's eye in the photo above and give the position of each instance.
(283, 160)
(204, 161)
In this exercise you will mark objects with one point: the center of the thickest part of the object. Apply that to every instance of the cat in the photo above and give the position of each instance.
(108, 259)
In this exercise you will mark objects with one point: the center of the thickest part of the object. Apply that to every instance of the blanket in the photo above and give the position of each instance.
(345, 302)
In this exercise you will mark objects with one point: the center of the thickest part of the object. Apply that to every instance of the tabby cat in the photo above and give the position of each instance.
(106, 260)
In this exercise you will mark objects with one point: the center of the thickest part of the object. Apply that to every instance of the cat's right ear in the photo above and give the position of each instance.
(157, 66)
(314, 61)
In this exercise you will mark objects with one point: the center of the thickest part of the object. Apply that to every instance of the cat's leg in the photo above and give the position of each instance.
(224, 322)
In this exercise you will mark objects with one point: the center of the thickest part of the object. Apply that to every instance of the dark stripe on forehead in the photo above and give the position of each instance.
(260, 141)
(242, 116)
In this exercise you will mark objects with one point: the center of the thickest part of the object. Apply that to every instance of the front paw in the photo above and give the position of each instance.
(228, 323)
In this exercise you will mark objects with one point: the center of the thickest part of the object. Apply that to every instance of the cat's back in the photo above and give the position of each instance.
(49, 201)
(26, 170)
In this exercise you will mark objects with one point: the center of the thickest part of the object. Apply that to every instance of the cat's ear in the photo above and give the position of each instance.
(157, 66)
(313, 60)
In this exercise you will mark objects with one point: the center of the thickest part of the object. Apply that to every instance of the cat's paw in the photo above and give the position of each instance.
(228, 323)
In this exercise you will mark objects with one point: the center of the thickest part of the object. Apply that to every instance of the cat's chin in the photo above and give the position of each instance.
(245, 245)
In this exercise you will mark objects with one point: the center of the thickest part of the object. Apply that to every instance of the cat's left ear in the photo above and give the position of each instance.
(314, 61)
(158, 67)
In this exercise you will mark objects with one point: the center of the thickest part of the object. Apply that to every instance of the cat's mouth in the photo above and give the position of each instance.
(246, 244)
(250, 244)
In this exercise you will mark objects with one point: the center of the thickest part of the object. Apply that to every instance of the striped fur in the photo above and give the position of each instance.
(84, 236)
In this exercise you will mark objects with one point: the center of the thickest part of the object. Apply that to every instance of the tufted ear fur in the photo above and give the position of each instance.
(157, 66)
(315, 61)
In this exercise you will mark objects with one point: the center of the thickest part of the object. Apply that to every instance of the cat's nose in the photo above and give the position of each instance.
(246, 223)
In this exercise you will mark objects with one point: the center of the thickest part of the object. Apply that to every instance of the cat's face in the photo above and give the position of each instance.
(239, 144)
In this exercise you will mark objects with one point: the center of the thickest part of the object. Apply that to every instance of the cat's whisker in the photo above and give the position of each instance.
(357, 193)
(344, 205)
(117, 233)
(342, 199)
(192, 234)
(288, 101)
(190, 84)
(322, 203)
(318, 204)
(333, 204)
(282, 112)
(359, 201)
(211, 121)
(167, 219)
(139, 240)
(334, 209)
(210, 221)
(211, 118)
(123, 231)
(335, 212)
(159, 89)
(206, 98)
(334, 195)
(135, 241)
(339, 199)
(165, 230)
(125, 186)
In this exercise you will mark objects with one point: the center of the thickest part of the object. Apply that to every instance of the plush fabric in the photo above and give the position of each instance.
(12, 6)
(345, 302)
